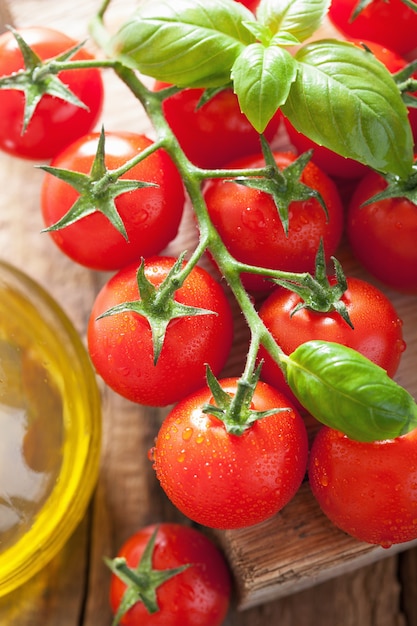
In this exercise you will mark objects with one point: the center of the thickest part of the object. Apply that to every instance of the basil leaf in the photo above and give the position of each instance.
(345, 99)
(262, 78)
(301, 18)
(344, 390)
(185, 42)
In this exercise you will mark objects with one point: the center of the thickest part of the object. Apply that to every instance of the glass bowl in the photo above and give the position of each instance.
(50, 424)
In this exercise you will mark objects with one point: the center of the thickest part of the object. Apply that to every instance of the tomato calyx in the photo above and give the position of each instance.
(38, 79)
(142, 581)
(358, 8)
(410, 4)
(317, 293)
(157, 304)
(284, 186)
(236, 412)
(99, 189)
(398, 188)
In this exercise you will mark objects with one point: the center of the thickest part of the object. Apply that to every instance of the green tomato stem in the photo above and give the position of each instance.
(233, 173)
(111, 176)
(305, 368)
(98, 31)
(103, 8)
(410, 4)
(54, 67)
(209, 237)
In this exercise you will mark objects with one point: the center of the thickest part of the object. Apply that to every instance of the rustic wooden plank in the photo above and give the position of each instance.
(296, 549)
(407, 576)
(5, 16)
(368, 597)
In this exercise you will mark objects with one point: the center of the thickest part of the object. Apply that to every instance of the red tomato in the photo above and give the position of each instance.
(389, 22)
(197, 596)
(248, 222)
(377, 330)
(121, 347)
(151, 215)
(55, 123)
(224, 480)
(331, 162)
(250, 4)
(368, 490)
(383, 235)
(215, 133)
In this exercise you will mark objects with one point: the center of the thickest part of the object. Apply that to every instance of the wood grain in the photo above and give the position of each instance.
(297, 566)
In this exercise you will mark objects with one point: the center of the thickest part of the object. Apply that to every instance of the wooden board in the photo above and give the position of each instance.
(295, 550)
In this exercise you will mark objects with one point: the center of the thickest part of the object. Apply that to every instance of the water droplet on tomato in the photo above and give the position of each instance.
(187, 433)
(181, 457)
(199, 438)
(253, 218)
(140, 217)
(386, 544)
(152, 454)
(401, 345)
(124, 371)
(324, 480)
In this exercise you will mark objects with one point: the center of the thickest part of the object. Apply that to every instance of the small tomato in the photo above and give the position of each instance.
(121, 345)
(249, 224)
(225, 480)
(368, 490)
(55, 122)
(199, 595)
(151, 215)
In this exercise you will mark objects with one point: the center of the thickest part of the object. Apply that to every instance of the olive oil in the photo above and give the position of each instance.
(50, 428)
(31, 440)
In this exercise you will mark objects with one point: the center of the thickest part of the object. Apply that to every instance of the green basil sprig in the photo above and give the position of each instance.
(345, 99)
(344, 390)
(185, 43)
(334, 92)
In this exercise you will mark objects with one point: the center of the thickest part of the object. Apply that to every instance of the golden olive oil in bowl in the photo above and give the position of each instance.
(50, 428)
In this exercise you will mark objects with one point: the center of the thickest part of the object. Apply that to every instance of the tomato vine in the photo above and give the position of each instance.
(186, 46)
(171, 30)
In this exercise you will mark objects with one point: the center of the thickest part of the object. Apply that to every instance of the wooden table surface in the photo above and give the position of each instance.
(295, 569)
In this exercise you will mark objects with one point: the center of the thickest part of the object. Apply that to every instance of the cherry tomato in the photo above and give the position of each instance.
(151, 215)
(215, 133)
(377, 332)
(121, 345)
(55, 123)
(248, 222)
(331, 162)
(383, 235)
(225, 480)
(197, 596)
(368, 490)
(250, 4)
(389, 22)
